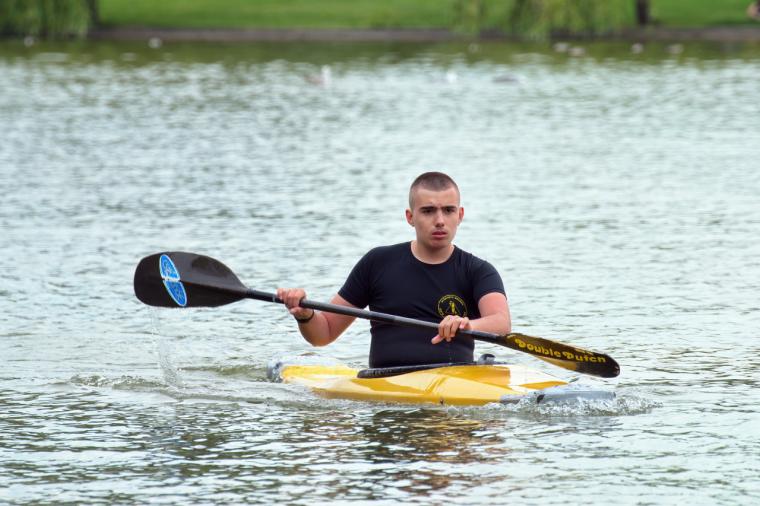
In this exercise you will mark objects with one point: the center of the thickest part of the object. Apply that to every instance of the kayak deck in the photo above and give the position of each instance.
(473, 385)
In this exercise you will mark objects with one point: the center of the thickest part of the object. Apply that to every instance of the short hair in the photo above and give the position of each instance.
(436, 181)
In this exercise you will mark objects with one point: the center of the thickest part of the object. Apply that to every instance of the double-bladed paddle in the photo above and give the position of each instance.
(179, 279)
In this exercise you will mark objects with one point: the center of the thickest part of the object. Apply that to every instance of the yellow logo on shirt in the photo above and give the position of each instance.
(452, 304)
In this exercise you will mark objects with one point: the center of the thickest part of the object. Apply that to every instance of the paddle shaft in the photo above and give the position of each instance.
(372, 315)
(181, 279)
(572, 358)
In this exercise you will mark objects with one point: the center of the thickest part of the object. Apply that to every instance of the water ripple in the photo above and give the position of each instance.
(616, 195)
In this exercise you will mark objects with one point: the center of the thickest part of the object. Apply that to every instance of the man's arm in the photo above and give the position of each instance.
(494, 318)
(317, 327)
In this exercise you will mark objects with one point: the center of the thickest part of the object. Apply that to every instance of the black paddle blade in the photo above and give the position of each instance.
(178, 279)
(562, 355)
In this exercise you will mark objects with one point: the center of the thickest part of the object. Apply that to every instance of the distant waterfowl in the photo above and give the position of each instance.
(577, 51)
(324, 78)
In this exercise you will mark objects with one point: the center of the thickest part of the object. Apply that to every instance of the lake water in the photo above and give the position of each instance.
(618, 194)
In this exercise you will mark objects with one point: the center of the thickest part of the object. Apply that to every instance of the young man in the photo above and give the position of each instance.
(427, 279)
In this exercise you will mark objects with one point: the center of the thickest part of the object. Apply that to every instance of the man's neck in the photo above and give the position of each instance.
(428, 256)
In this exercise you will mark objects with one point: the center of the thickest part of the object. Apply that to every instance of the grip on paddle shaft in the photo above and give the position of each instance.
(368, 315)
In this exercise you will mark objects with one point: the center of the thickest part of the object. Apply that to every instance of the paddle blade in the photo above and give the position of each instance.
(562, 355)
(178, 279)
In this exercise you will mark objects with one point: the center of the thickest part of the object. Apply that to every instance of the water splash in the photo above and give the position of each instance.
(120, 382)
(624, 403)
(170, 372)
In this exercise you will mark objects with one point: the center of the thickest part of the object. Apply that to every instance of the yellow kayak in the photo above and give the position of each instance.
(459, 385)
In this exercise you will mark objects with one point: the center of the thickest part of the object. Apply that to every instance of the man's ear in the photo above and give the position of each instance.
(409, 217)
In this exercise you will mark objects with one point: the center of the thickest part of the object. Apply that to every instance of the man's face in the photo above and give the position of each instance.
(435, 216)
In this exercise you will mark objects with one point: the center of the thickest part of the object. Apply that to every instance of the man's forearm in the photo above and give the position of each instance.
(317, 330)
(498, 323)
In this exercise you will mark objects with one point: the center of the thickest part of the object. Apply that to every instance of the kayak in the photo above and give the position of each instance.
(470, 384)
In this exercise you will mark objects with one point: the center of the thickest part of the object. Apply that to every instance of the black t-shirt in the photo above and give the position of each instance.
(389, 279)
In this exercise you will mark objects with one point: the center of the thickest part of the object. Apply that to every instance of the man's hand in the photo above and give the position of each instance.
(292, 297)
(449, 326)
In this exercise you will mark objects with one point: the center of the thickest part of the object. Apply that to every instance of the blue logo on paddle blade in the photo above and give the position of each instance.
(177, 292)
(167, 268)
(172, 283)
